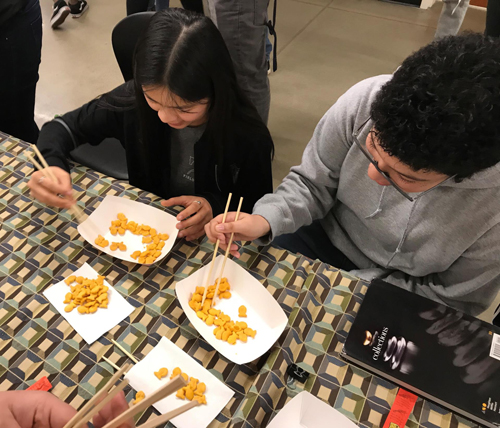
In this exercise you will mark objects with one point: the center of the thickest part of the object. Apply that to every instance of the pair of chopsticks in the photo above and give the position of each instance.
(225, 255)
(75, 209)
(106, 394)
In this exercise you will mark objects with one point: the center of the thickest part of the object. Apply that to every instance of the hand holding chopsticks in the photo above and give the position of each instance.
(108, 392)
(74, 209)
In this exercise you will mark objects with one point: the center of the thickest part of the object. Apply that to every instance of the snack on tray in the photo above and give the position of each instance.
(101, 241)
(160, 374)
(139, 397)
(242, 311)
(118, 246)
(195, 390)
(88, 294)
(151, 237)
(226, 329)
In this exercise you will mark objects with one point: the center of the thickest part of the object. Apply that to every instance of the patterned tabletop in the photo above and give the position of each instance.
(39, 246)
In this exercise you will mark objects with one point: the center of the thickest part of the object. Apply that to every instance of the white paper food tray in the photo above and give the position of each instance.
(99, 222)
(264, 314)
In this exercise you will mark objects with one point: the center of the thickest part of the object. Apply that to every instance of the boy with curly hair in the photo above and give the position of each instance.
(401, 179)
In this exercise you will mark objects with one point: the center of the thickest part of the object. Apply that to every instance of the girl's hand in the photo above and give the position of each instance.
(248, 228)
(199, 212)
(52, 194)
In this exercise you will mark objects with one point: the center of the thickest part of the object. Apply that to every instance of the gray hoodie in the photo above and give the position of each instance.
(445, 245)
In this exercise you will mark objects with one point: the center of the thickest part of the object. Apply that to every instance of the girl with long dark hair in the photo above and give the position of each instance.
(189, 132)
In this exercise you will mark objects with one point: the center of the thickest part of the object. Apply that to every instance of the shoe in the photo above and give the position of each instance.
(61, 12)
(79, 8)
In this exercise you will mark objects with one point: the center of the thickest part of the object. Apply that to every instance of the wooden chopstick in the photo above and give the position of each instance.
(169, 388)
(92, 402)
(159, 420)
(228, 249)
(215, 252)
(111, 363)
(75, 209)
(128, 354)
(88, 417)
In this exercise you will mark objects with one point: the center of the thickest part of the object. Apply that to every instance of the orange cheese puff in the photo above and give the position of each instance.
(153, 232)
(135, 254)
(70, 279)
(189, 394)
(150, 260)
(200, 399)
(114, 246)
(147, 240)
(113, 230)
(250, 332)
(175, 372)
(180, 394)
(139, 397)
(121, 230)
(200, 389)
(122, 246)
(242, 311)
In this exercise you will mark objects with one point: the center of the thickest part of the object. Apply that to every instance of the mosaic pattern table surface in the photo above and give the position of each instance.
(40, 246)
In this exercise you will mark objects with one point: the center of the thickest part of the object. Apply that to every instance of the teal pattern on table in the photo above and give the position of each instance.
(40, 246)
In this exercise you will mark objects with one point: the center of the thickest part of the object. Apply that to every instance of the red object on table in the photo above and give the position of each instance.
(401, 409)
(42, 384)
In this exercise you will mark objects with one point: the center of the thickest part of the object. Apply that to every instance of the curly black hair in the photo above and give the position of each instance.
(441, 110)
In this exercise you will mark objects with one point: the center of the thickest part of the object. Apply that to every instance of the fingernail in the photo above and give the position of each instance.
(179, 217)
(219, 228)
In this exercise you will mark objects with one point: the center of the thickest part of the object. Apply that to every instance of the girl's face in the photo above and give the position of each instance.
(174, 111)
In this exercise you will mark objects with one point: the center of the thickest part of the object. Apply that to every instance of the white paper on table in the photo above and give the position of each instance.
(99, 222)
(90, 326)
(306, 411)
(264, 314)
(168, 355)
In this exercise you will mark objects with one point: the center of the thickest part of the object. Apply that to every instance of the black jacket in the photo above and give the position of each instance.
(245, 169)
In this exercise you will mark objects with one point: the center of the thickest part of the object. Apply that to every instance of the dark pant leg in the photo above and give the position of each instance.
(313, 242)
(136, 6)
(493, 18)
(193, 5)
(20, 53)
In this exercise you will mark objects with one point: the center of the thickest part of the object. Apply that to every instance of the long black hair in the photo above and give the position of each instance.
(185, 53)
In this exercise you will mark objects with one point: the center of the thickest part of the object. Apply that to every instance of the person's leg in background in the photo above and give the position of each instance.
(20, 50)
(493, 20)
(136, 6)
(192, 5)
(61, 10)
(451, 18)
(243, 27)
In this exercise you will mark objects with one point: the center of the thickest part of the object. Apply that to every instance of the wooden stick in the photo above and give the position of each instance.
(111, 363)
(159, 420)
(88, 417)
(228, 249)
(75, 209)
(91, 403)
(128, 354)
(215, 252)
(169, 388)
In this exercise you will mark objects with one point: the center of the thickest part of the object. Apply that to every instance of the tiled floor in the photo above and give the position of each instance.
(325, 46)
